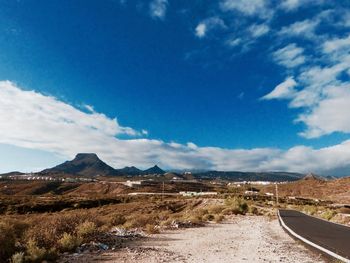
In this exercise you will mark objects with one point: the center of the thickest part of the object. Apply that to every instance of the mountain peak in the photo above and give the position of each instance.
(87, 164)
(154, 170)
(311, 176)
(88, 156)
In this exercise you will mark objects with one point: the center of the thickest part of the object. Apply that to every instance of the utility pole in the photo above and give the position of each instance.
(163, 190)
(276, 194)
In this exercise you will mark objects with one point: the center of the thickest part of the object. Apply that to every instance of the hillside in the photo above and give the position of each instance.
(250, 176)
(337, 190)
(154, 170)
(86, 164)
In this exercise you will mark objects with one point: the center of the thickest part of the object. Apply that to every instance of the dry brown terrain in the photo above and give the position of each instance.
(334, 190)
(240, 239)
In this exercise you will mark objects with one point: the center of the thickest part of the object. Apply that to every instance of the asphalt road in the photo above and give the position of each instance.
(333, 237)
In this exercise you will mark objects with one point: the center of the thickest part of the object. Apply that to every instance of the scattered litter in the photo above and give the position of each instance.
(122, 232)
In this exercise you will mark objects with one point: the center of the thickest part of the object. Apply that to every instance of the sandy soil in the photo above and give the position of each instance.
(242, 239)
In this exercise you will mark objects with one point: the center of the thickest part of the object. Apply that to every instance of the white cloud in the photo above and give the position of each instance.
(249, 8)
(208, 24)
(35, 121)
(330, 115)
(292, 5)
(290, 56)
(305, 28)
(233, 42)
(158, 8)
(337, 45)
(258, 30)
(334, 160)
(201, 30)
(284, 90)
(324, 89)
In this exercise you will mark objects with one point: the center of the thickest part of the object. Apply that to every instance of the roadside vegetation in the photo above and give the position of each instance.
(37, 228)
(44, 236)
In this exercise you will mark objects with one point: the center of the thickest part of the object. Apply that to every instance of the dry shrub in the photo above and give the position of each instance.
(167, 223)
(219, 218)
(151, 229)
(117, 220)
(38, 254)
(208, 217)
(17, 257)
(309, 209)
(139, 221)
(328, 214)
(49, 229)
(86, 229)
(216, 209)
(202, 212)
(164, 215)
(253, 210)
(7, 241)
(69, 242)
(238, 205)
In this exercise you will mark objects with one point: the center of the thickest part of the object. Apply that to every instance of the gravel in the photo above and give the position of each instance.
(241, 239)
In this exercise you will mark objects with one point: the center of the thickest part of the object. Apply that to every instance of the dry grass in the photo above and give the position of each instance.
(43, 236)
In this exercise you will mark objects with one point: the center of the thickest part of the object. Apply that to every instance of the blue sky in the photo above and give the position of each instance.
(226, 84)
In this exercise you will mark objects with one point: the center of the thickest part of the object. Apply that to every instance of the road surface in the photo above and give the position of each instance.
(333, 237)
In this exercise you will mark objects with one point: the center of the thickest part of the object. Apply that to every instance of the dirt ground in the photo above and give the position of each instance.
(241, 239)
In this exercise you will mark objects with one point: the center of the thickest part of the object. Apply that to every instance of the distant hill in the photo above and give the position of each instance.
(86, 164)
(12, 173)
(312, 186)
(130, 170)
(89, 164)
(312, 176)
(249, 176)
(154, 170)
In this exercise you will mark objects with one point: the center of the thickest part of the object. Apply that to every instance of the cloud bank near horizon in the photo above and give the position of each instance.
(32, 120)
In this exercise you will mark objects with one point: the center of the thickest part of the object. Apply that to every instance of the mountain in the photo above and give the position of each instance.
(312, 176)
(249, 176)
(154, 170)
(130, 170)
(86, 164)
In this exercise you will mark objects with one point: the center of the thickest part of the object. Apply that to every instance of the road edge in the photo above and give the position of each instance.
(332, 254)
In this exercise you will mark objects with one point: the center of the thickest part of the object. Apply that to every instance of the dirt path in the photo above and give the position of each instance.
(244, 239)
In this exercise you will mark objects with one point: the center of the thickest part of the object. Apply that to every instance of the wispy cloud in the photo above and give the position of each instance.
(158, 8)
(293, 5)
(258, 30)
(250, 8)
(207, 25)
(284, 90)
(289, 56)
(305, 28)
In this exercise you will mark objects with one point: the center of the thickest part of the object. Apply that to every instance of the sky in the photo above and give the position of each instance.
(250, 85)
